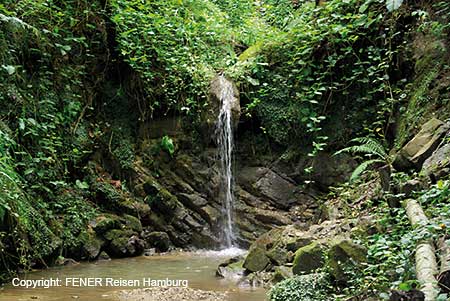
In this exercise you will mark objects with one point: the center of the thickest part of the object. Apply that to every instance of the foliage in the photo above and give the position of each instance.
(371, 149)
(46, 90)
(167, 145)
(311, 287)
(390, 250)
(299, 83)
(175, 46)
(390, 260)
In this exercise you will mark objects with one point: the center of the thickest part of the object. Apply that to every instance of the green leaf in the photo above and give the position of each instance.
(167, 145)
(10, 69)
(81, 185)
(2, 213)
(392, 5)
(362, 168)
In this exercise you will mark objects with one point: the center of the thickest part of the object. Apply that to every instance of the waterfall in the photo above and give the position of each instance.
(224, 134)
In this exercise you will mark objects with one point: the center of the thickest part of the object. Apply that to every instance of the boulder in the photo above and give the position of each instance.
(278, 255)
(92, 246)
(438, 164)
(308, 258)
(132, 222)
(331, 170)
(103, 256)
(231, 268)
(417, 150)
(256, 259)
(279, 191)
(124, 243)
(344, 253)
(158, 240)
(103, 223)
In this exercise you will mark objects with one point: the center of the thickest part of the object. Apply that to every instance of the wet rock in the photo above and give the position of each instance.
(192, 200)
(103, 256)
(343, 254)
(158, 240)
(211, 112)
(149, 252)
(256, 259)
(438, 164)
(92, 246)
(65, 261)
(232, 268)
(124, 243)
(308, 258)
(417, 150)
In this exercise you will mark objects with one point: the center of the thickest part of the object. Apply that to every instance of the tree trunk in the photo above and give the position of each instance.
(444, 272)
(426, 266)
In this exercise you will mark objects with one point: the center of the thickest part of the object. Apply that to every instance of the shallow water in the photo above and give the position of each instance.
(197, 267)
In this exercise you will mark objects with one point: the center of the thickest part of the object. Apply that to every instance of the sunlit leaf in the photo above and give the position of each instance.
(392, 5)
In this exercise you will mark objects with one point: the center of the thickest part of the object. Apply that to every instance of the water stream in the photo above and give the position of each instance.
(224, 134)
(196, 267)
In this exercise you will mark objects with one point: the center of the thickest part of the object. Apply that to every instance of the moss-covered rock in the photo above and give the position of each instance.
(231, 268)
(105, 222)
(278, 255)
(418, 149)
(92, 245)
(158, 240)
(124, 243)
(345, 255)
(256, 259)
(132, 222)
(308, 258)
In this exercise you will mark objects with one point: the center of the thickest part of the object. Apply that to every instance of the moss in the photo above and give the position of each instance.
(251, 52)
(116, 234)
(256, 259)
(308, 258)
(132, 222)
(345, 255)
(419, 107)
(105, 222)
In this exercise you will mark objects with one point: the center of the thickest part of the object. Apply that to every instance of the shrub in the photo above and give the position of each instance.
(311, 287)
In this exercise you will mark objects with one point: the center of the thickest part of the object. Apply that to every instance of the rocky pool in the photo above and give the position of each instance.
(196, 267)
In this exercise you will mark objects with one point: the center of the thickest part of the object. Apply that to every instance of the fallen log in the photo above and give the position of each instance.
(444, 271)
(426, 266)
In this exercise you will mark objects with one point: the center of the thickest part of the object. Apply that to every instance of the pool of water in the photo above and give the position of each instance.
(196, 267)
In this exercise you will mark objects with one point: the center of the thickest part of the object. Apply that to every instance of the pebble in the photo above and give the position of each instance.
(171, 294)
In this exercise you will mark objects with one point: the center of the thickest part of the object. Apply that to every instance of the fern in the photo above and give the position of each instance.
(367, 146)
(362, 168)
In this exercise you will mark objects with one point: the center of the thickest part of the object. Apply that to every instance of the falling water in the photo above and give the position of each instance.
(224, 134)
